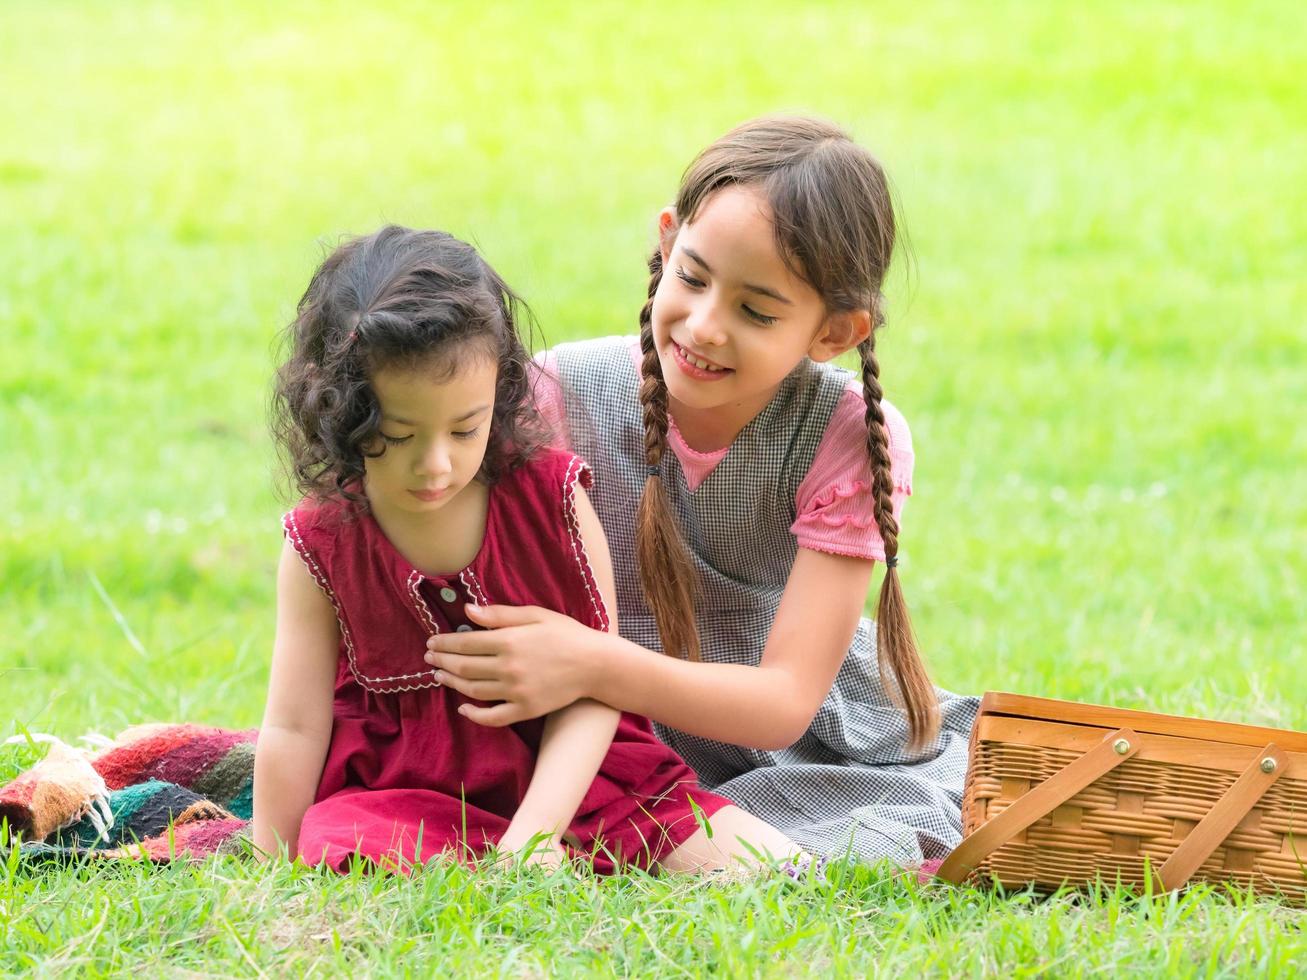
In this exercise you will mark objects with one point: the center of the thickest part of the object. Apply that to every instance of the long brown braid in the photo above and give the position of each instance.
(897, 646)
(666, 573)
(835, 227)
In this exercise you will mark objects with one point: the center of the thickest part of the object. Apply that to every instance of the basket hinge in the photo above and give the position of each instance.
(1223, 817)
(1038, 802)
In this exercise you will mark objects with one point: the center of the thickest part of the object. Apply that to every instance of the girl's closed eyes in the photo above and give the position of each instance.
(747, 310)
(400, 440)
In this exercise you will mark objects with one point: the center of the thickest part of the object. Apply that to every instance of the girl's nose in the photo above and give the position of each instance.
(435, 461)
(702, 327)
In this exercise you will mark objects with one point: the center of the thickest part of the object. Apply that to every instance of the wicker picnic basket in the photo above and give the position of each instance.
(1064, 794)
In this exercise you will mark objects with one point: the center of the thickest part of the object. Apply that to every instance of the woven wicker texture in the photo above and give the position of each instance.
(1133, 817)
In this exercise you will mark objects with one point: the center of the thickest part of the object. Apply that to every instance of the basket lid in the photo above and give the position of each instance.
(1102, 716)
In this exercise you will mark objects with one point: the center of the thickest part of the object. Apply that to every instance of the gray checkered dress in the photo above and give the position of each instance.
(848, 785)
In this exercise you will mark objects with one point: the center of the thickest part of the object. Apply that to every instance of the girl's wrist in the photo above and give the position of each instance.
(523, 828)
(597, 657)
(608, 661)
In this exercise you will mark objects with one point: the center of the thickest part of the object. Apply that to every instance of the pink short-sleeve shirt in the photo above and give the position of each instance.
(834, 506)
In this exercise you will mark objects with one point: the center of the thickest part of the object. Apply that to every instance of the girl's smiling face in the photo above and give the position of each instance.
(730, 318)
(434, 432)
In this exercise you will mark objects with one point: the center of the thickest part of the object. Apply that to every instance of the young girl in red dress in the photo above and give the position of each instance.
(403, 408)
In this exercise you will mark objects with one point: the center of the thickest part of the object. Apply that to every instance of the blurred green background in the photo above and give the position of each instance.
(1099, 344)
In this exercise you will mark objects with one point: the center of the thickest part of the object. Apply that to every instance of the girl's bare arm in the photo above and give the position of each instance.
(297, 721)
(575, 741)
(537, 660)
(766, 707)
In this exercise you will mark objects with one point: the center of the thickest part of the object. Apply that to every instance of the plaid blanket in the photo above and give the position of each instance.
(156, 791)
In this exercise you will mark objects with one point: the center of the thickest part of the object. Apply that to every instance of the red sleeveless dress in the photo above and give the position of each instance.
(407, 777)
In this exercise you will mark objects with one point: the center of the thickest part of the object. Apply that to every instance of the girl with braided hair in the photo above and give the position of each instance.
(747, 487)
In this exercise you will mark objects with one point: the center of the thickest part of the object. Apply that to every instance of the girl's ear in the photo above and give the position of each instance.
(840, 332)
(667, 228)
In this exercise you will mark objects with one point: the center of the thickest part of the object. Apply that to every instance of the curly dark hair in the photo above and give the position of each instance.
(395, 298)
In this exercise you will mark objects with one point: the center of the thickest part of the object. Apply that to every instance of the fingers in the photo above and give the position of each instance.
(481, 690)
(494, 716)
(485, 641)
(496, 617)
(462, 667)
(474, 644)
(550, 859)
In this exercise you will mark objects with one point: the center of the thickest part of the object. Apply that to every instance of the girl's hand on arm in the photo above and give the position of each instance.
(764, 707)
(296, 728)
(533, 660)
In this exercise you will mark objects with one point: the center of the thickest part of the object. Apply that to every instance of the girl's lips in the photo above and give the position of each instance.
(693, 370)
(428, 495)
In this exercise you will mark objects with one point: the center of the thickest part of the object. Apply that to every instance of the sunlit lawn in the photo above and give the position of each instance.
(1099, 347)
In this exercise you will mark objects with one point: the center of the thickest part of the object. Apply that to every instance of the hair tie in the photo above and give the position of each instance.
(653, 471)
(892, 561)
(354, 320)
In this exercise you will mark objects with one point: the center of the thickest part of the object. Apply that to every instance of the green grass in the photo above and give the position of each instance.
(230, 918)
(1100, 348)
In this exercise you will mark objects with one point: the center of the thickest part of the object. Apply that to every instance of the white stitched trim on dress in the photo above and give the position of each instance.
(414, 580)
(371, 683)
(473, 586)
(574, 470)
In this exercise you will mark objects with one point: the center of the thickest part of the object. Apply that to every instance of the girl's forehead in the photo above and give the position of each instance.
(734, 235)
(432, 391)
(735, 214)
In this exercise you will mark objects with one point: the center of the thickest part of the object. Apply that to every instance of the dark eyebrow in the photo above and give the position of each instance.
(462, 418)
(762, 290)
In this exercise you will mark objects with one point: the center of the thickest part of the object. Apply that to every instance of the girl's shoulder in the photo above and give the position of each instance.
(834, 504)
(849, 420)
(322, 514)
(319, 526)
(319, 531)
(550, 474)
(591, 358)
(843, 457)
(584, 389)
(591, 345)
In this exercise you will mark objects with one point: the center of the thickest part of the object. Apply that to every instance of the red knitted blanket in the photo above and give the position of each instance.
(156, 791)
